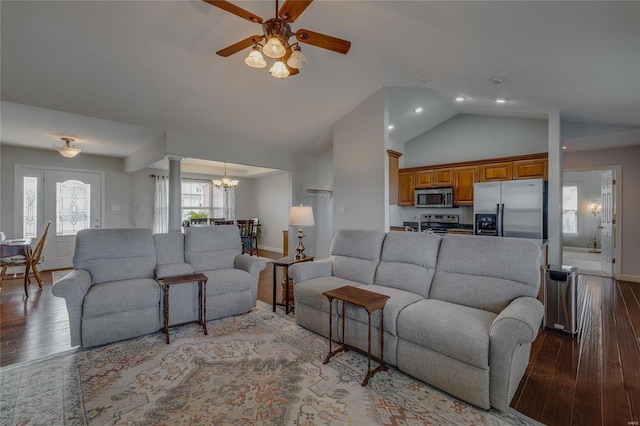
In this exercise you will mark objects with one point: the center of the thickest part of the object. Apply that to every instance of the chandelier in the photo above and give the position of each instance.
(226, 182)
(67, 150)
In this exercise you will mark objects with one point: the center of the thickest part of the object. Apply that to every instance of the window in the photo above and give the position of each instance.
(30, 206)
(73, 207)
(570, 210)
(203, 198)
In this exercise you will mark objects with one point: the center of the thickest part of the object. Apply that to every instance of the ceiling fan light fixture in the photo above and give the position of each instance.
(255, 59)
(274, 48)
(297, 59)
(279, 70)
(67, 150)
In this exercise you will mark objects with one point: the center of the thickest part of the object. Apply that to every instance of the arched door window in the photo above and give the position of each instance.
(73, 207)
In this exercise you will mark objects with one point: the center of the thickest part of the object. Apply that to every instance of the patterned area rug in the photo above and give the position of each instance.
(254, 369)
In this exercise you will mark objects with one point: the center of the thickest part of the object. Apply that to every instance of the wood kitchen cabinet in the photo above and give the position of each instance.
(406, 187)
(496, 171)
(434, 177)
(424, 178)
(464, 178)
(530, 169)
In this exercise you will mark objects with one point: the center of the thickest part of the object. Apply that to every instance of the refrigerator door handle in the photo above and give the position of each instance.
(502, 220)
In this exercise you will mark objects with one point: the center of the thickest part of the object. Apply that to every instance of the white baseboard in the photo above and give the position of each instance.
(580, 249)
(626, 277)
(275, 249)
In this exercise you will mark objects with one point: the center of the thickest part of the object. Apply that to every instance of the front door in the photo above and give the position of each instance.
(72, 202)
(607, 193)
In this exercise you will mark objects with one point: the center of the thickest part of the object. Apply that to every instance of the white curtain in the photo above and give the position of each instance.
(161, 205)
(230, 204)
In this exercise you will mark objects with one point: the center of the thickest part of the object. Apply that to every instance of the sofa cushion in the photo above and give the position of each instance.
(121, 296)
(169, 247)
(486, 272)
(355, 254)
(173, 270)
(115, 254)
(408, 261)
(399, 299)
(453, 330)
(212, 247)
(222, 281)
(310, 292)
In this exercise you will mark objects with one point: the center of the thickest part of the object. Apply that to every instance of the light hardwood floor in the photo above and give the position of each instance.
(592, 379)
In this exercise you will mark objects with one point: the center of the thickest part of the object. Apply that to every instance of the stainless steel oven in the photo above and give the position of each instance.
(434, 197)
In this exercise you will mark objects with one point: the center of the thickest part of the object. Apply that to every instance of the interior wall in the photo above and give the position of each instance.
(627, 187)
(359, 162)
(588, 184)
(272, 197)
(467, 137)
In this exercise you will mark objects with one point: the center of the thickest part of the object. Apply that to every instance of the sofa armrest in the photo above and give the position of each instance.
(307, 270)
(510, 338)
(73, 288)
(250, 264)
(518, 323)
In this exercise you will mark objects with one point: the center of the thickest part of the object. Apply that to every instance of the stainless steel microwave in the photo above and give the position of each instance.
(434, 197)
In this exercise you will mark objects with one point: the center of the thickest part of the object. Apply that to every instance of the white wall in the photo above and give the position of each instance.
(468, 137)
(272, 195)
(629, 160)
(359, 162)
(588, 184)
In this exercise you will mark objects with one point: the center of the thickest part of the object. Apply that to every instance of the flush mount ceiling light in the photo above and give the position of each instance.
(390, 127)
(67, 150)
(501, 100)
(460, 99)
(226, 182)
(274, 41)
(417, 110)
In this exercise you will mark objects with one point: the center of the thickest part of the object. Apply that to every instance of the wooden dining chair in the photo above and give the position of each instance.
(246, 235)
(36, 259)
(223, 222)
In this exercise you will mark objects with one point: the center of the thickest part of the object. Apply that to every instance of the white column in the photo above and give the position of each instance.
(175, 194)
(554, 189)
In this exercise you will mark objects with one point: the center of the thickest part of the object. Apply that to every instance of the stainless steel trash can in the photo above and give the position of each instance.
(560, 299)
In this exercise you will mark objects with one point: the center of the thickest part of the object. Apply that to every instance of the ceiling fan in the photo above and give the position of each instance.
(276, 34)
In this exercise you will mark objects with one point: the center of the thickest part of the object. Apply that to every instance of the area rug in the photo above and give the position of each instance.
(254, 369)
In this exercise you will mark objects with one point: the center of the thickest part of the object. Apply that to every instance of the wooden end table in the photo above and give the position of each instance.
(201, 279)
(371, 302)
(285, 262)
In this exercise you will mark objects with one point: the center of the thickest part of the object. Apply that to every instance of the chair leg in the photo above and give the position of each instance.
(36, 273)
(2, 274)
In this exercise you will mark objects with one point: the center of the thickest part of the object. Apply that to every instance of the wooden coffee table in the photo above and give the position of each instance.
(368, 300)
(201, 279)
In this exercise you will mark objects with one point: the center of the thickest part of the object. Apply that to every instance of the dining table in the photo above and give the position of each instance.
(18, 247)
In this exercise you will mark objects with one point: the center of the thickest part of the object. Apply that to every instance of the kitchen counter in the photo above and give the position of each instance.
(466, 231)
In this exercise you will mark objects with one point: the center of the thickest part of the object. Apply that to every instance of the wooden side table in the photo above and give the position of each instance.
(285, 262)
(371, 302)
(201, 279)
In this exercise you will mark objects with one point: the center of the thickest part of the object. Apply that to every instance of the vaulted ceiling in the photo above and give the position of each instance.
(118, 73)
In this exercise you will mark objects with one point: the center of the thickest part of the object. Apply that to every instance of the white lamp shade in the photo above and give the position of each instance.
(297, 60)
(279, 70)
(274, 48)
(255, 59)
(301, 216)
(67, 150)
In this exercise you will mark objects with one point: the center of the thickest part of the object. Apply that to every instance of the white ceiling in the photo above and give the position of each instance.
(118, 74)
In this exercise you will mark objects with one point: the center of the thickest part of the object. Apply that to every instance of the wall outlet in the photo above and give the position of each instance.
(590, 239)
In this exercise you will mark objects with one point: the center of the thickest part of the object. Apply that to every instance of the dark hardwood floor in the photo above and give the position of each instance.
(592, 379)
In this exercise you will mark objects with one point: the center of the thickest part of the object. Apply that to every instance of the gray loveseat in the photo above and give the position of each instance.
(462, 312)
(112, 293)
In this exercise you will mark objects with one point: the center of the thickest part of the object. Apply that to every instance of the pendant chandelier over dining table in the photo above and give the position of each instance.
(226, 182)
(276, 34)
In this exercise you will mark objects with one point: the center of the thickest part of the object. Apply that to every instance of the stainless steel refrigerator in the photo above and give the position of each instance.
(513, 208)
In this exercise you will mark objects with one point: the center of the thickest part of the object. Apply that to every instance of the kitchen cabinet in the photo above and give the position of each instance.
(394, 157)
(406, 187)
(496, 171)
(434, 177)
(464, 178)
(530, 169)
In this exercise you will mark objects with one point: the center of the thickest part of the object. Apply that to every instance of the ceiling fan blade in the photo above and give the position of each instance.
(236, 10)
(292, 9)
(243, 44)
(292, 71)
(322, 40)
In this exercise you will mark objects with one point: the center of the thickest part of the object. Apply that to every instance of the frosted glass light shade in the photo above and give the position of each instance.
(67, 150)
(274, 48)
(279, 70)
(297, 60)
(255, 59)
(301, 216)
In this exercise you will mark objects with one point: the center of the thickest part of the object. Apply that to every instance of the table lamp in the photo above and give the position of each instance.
(301, 216)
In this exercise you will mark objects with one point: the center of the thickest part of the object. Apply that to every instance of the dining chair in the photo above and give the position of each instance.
(36, 259)
(223, 222)
(246, 235)
(199, 222)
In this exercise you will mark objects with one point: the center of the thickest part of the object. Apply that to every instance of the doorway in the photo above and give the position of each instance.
(588, 221)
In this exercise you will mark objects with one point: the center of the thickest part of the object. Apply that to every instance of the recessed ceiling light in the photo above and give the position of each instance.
(460, 99)
(564, 147)
(417, 110)
(390, 127)
(501, 100)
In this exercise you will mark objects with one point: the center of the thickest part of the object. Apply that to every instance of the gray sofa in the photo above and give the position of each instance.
(462, 312)
(112, 293)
